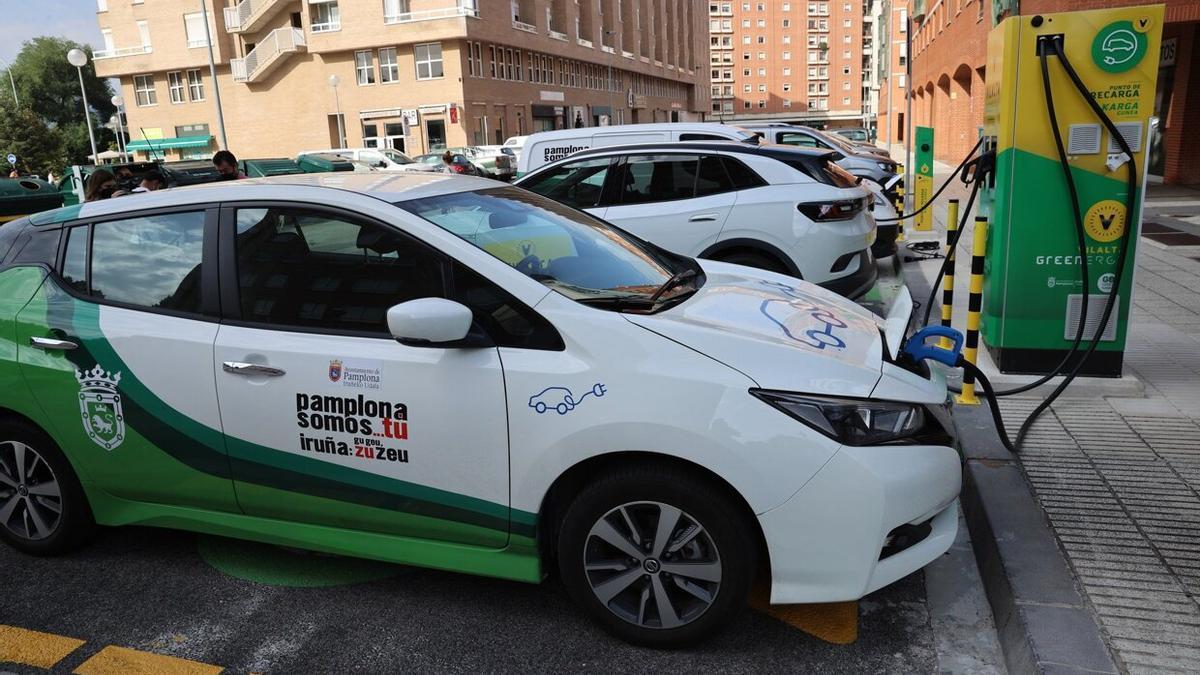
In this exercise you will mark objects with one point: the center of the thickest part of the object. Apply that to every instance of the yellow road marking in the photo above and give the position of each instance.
(121, 661)
(833, 622)
(33, 648)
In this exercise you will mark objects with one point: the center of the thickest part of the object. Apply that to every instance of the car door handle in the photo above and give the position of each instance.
(239, 368)
(51, 343)
(703, 218)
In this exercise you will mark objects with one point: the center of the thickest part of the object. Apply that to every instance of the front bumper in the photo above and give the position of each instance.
(826, 543)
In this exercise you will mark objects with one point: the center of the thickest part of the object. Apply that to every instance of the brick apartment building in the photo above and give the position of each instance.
(891, 59)
(779, 60)
(414, 75)
(949, 55)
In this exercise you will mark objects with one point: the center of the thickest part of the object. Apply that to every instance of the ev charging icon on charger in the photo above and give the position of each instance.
(1120, 46)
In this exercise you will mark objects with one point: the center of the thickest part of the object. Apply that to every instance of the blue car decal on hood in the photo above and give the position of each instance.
(561, 399)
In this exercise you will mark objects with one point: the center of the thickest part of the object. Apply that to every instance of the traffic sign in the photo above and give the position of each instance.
(12, 159)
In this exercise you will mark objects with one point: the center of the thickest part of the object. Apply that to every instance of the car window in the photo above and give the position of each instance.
(304, 268)
(796, 138)
(149, 261)
(35, 246)
(659, 178)
(573, 253)
(397, 157)
(578, 184)
(743, 177)
(712, 178)
(74, 271)
(509, 322)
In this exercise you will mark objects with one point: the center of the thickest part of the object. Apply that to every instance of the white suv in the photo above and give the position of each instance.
(383, 159)
(787, 210)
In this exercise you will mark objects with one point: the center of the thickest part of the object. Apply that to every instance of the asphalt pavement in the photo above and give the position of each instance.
(250, 608)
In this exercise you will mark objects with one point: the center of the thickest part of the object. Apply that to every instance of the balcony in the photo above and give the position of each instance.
(250, 15)
(527, 27)
(272, 51)
(430, 15)
(125, 51)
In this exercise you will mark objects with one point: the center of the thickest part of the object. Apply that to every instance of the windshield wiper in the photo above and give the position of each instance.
(675, 280)
(619, 301)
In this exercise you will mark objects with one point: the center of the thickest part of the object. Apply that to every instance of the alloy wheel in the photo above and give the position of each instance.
(652, 564)
(31, 500)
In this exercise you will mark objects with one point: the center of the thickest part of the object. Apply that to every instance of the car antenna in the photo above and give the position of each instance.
(149, 144)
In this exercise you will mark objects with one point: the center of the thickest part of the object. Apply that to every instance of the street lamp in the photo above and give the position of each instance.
(13, 83)
(334, 81)
(77, 58)
(120, 119)
(611, 56)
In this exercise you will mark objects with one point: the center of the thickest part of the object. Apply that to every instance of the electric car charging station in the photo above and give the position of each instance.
(1037, 297)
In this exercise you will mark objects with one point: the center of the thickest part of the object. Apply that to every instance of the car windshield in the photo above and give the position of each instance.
(397, 157)
(577, 255)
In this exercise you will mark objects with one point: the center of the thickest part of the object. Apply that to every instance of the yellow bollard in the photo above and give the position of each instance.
(900, 206)
(948, 278)
(974, 305)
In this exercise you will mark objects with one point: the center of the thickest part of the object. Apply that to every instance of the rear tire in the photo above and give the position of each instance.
(648, 582)
(752, 259)
(43, 509)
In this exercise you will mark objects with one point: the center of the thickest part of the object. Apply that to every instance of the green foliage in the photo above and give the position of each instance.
(49, 85)
(38, 148)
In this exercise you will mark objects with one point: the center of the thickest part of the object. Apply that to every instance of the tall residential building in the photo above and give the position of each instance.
(892, 62)
(781, 60)
(414, 75)
(873, 13)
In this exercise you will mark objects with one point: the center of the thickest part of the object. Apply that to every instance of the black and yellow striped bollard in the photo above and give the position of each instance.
(974, 306)
(900, 206)
(948, 278)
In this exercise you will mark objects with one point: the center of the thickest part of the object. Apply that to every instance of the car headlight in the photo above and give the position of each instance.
(850, 421)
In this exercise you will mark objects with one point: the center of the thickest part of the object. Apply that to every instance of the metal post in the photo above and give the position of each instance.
(337, 104)
(212, 70)
(948, 278)
(87, 114)
(974, 306)
(13, 84)
(908, 96)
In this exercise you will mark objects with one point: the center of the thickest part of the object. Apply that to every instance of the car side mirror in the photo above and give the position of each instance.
(381, 164)
(433, 322)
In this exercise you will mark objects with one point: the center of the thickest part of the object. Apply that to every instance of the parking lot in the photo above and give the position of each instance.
(250, 608)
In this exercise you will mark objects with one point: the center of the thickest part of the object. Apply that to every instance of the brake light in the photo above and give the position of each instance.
(844, 209)
(458, 168)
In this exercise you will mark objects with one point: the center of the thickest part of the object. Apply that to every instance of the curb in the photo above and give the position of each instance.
(1043, 621)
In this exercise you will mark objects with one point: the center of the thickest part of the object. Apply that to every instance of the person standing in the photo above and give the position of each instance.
(226, 165)
(100, 185)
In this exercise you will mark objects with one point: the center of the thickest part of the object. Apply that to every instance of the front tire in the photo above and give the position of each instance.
(43, 509)
(657, 556)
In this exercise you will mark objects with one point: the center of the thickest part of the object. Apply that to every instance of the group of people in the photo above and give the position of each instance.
(104, 184)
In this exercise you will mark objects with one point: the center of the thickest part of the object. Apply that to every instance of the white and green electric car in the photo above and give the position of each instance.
(454, 373)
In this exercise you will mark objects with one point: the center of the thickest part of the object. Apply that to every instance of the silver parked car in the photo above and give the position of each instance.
(857, 160)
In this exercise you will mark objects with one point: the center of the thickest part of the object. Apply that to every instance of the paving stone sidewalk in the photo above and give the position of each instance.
(1119, 477)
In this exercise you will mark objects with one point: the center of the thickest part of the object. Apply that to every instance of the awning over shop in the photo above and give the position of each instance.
(168, 143)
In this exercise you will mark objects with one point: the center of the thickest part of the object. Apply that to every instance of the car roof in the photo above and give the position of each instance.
(769, 150)
(389, 187)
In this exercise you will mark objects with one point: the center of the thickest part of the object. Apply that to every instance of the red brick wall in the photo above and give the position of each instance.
(1181, 123)
(954, 34)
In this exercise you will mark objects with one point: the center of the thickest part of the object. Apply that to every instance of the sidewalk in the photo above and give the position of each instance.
(1118, 475)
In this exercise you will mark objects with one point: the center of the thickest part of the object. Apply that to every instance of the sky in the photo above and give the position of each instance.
(25, 19)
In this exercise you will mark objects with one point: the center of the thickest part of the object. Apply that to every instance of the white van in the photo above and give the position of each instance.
(383, 159)
(550, 146)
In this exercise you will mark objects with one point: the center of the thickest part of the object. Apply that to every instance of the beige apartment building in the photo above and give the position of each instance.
(415, 75)
(787, 60)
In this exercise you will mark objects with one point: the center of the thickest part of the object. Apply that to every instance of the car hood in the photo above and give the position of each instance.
(781, 332)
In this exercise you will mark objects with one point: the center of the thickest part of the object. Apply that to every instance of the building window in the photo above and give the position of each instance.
(143, 90)
(364, 68)
(326, 17)
(903, 20)
(746, 104)
(847, 23)
(492, 53)
(193, 26)
(509, 73)
(762, 72)
(762, 103)
(101, 5)
(175, 86)
(747, 88)
(477, 56)
(762, 23)
(389, 68)
(787, 23)
(787, 39)
(395, 10)
(845, 70)
(845, 100)
(787, 86)
(144, 34)
(195, 85)
(787, 102)
(429, 61)
(787, 56)
(787, 72)
(762, 88)
(845, 86)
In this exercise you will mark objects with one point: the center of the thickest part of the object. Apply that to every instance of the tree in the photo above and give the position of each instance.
(49, 85)
(38, 147)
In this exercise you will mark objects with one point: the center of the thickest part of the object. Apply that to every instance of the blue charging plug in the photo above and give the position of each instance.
(916, 349)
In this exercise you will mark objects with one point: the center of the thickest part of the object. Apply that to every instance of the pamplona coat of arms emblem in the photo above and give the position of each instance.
(100, 406)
